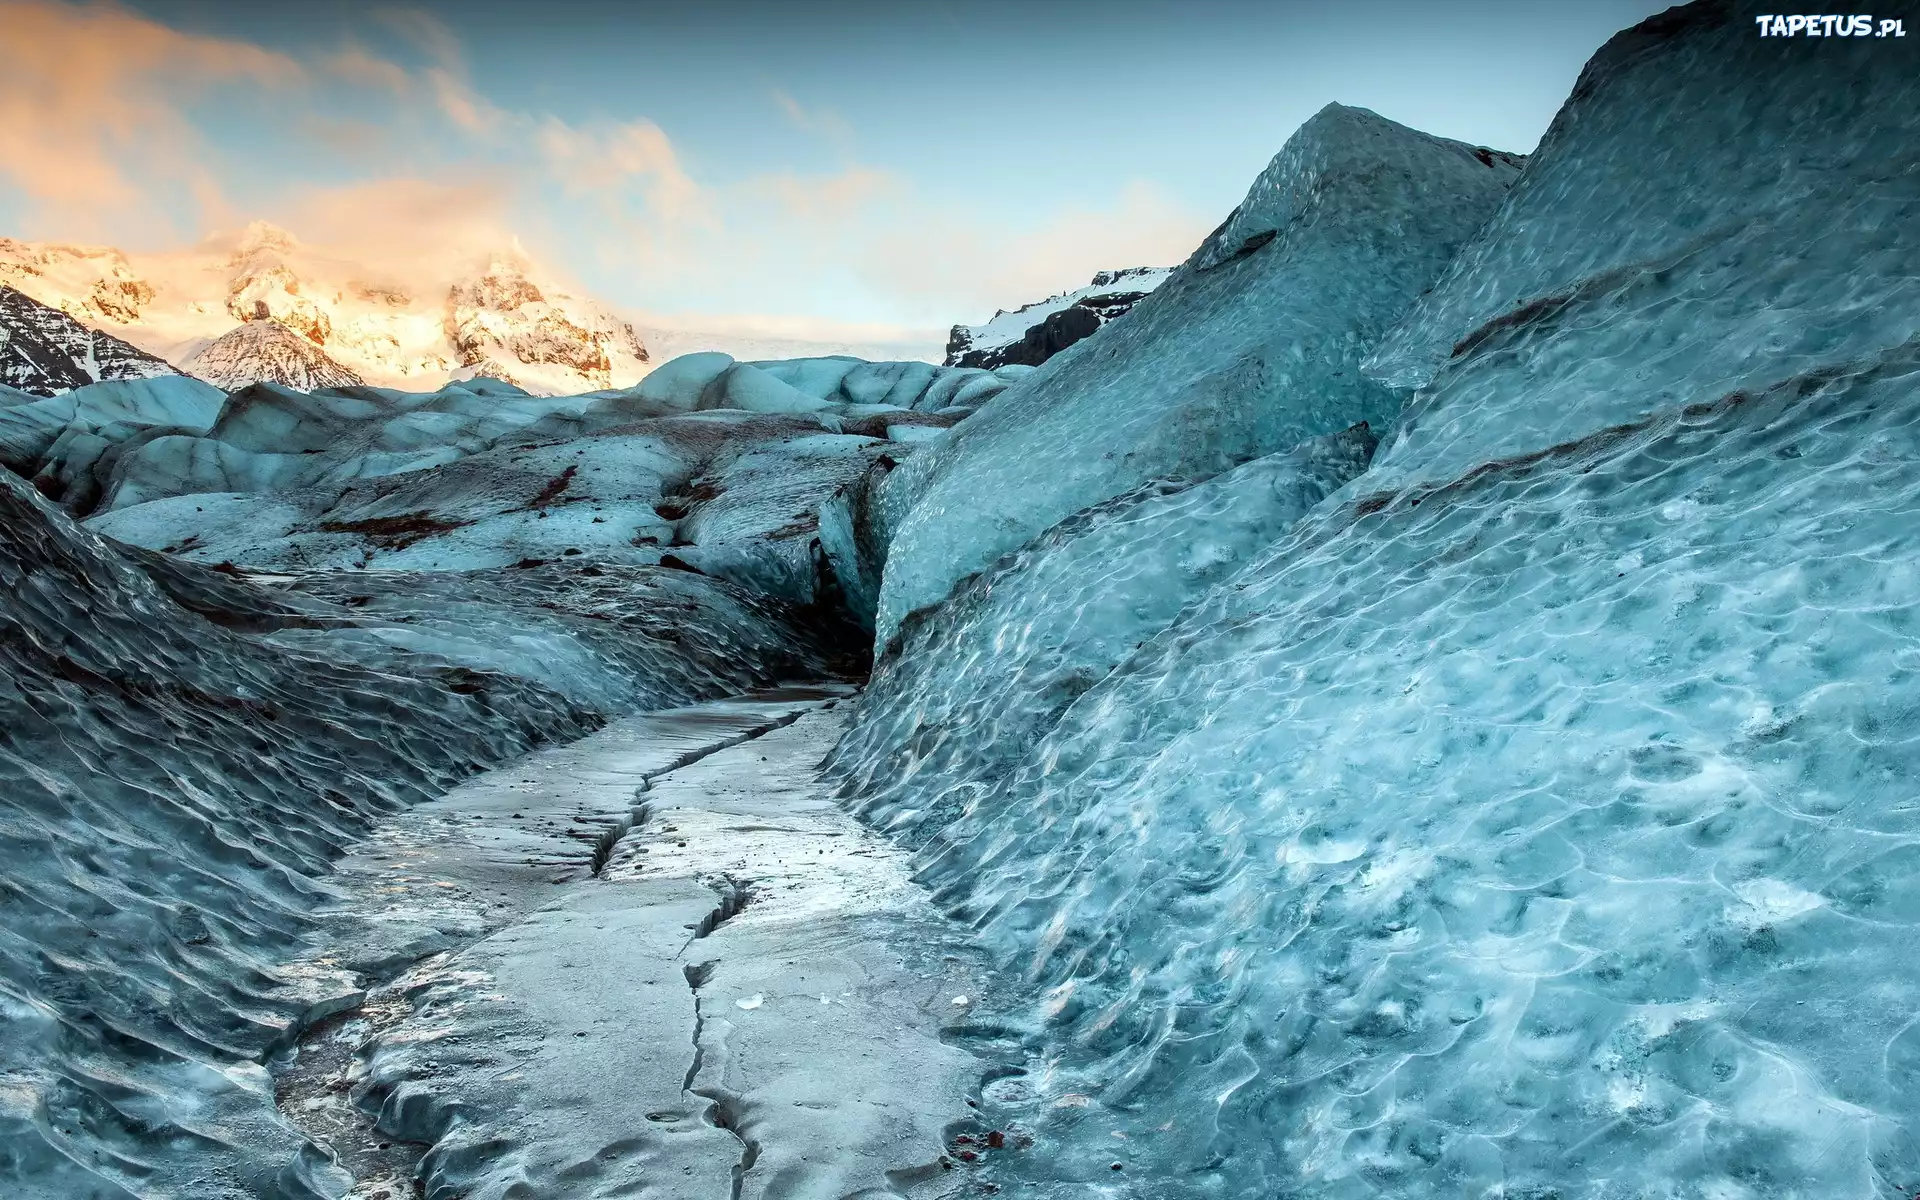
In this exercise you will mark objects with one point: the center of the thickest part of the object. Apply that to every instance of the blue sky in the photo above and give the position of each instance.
(833, 164)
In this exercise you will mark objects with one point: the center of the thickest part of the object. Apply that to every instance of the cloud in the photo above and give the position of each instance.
(959, 259)
(92, 100)
(840, 199)
(821, 122)
(466, 108)
(404, 162)
(417, 233)
(616, 156)
(425, 32)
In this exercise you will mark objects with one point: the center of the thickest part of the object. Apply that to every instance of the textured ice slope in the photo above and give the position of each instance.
(972, 684)
(1252, 346)
(1547, 828)
(178, 767)
(1711, 212)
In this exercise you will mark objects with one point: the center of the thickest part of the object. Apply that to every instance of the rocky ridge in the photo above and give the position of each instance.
(1033, 333)
(44, 351)
(499, 317)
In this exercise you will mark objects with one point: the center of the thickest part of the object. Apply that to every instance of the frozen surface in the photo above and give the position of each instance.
(173, 781)
(744, 996)
(972, 685)
(1252, 346)
(1537, 817)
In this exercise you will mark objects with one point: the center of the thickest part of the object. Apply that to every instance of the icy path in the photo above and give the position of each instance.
(656, 962)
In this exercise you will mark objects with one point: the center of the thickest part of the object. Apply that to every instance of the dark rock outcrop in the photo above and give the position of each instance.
(45, 352)
(1033, 333)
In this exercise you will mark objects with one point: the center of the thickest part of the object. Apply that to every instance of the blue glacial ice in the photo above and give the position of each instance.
(1251, 347)
(974, 683)
(186, 751)
(1536, 816)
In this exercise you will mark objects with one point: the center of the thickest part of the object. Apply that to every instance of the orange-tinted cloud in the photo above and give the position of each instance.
(98, 117)
(91, 95)
(415, 233)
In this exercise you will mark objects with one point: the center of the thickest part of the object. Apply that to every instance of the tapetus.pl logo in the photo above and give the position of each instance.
(1829, 25)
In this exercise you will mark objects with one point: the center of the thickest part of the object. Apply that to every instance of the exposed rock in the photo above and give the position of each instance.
(45, 352)
(501, 319)
(1033, 333)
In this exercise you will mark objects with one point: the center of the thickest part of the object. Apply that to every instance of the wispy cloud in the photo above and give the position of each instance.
(93, 103)
(821, 122)
(401, 159)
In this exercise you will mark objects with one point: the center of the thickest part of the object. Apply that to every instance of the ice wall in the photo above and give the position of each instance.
(972, 684)
(1536, 818)
(1251, 347)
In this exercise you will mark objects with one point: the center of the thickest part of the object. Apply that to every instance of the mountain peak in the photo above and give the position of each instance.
(267, 351)
(45, 351)
(264, 235)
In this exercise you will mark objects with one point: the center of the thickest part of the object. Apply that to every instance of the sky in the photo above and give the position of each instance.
(792, 167)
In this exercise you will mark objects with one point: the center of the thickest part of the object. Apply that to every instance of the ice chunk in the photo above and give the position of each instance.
(756, 520)
(820, 378)
(751, 389)
(29, 430)
(678, 382)
(174, 400)
(1249, 348)
(1729, 258)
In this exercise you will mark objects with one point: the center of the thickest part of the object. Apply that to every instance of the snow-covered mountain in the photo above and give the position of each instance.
(45, 351)
(1033, 333)
(500, 315)
(266, 352)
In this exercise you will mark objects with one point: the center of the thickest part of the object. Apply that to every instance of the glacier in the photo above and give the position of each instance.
(1421, 705)
(1534, 816)
(1249, 347)
(174, 782)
